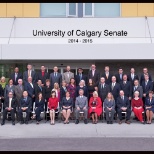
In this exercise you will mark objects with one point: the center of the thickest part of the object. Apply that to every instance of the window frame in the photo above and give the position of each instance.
(84, 11)
(67, 10)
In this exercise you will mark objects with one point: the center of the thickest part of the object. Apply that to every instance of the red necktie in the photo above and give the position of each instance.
(42, 73)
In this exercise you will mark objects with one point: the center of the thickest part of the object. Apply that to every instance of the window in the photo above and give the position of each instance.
(53, 10)
(107, 9)
(72, 9)
(88, 9)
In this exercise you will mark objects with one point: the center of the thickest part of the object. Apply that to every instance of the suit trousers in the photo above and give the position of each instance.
(81, 110)
(107, 114)
(20, 112)
(12, 114)
(38, 112)
(128, 113)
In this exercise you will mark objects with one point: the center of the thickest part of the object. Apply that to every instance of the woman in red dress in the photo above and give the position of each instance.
(95, 107)
(53, 104)
(137, 106)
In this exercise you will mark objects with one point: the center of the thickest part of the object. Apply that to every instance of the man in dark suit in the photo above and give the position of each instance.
(132, 76)
(30, 73)
(126, 86)
(107, 75)
(80, 76)
(114, 88)
(15, 76)
(9, 106)
(42, 75)
(38, 88)
(29, 87)
(138, 88)
(103, 89)
(25, 103)
(142, 78)
(119, 76)
(94, 75)
(147, 86)
(123, 105)
(55, 77)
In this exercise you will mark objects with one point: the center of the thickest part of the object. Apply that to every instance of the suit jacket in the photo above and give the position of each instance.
(30, 89)
(118, 80)
(147, 88)
(77, 79)
(42, 78)
(40, 104)
(81, 102)
(120, 103)
(107, 80)
(142, 78)
(102, 92)
(127, 88)
(54, 79)
(148, 103)
(109, 104)
(129, 78)
(62, 93)
(95, 78)
(27, 103)
(85, 89)
(139, 89)
(33, 75)
(18, 92)
(37, 90)
(13, 103)
(66, 78)
(19, 76)
(115, 91)
(8, 89)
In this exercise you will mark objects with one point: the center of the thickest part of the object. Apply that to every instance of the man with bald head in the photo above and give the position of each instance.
(25, 106)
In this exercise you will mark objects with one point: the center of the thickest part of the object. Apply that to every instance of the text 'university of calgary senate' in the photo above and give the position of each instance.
(78, 33)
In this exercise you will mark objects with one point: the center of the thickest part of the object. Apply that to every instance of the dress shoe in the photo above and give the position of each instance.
(26, 122)
(37, 122)
(3, 123)
(77, 121)
(21, 122)
(85, 121)
(13, 123)
(107, 122)
(111, 122)
(120, 122)
(127, 122)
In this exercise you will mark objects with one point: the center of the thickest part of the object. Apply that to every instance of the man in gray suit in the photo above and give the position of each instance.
(55, 77)
(67, 75)
(18, 90)
(81, 104)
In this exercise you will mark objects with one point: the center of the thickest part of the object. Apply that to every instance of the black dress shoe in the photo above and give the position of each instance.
(13, 123)
(108, 122)
(3, 123)
(111, 122)
(26, 122)
(21, 122)
(77, 121)
(85, 121)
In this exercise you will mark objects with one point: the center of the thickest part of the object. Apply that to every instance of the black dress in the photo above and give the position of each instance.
(91, 89)
(67, 103)
(47, 93)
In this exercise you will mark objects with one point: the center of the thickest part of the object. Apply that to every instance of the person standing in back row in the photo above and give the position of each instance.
(107, 75)
(67, 75)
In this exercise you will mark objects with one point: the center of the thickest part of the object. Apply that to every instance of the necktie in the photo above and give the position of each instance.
(10, 102)
(80, 76)
(93, 72)
(55, 74)
(112, 86)
(68, 74)
(29, 74)
(31, 85)
(132, 75)
(122, 98)
(20, 87)
(15, 76)
(107, 75)
(40, 88)
(121, 76)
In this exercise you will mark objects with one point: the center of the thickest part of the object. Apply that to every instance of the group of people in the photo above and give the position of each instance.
(90, 94)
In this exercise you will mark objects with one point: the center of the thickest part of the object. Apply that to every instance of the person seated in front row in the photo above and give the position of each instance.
(52, 105)
(39, 107)
(67, 104)
(123, 105)
(81, 105)
(149, 107)
(137, 106)
(109, 108)
(95, 107)
(9, 106)
(25, 106)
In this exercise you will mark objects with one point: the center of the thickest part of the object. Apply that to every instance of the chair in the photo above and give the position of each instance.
(56, 112)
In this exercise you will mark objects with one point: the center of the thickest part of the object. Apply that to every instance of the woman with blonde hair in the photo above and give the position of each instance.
(95, 107)
(109, 108)
(57, 90)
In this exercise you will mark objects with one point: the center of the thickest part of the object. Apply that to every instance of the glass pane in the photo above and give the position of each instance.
(107, 10)
(72, 8)
(88, 8)
(53, 9)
